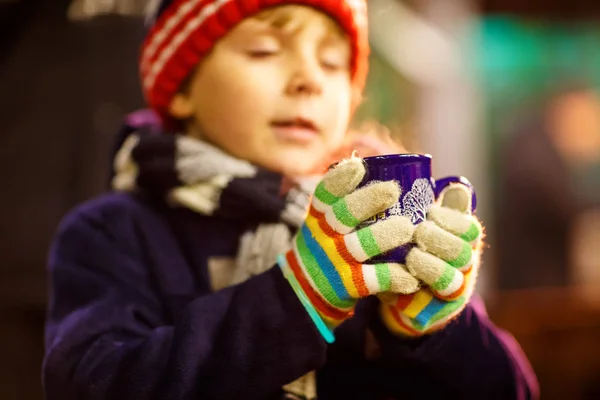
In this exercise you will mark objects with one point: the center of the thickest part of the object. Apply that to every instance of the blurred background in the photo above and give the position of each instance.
(504, 92)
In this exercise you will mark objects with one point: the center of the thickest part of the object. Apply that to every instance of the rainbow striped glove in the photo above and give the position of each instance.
(325, 265)
(446, 260)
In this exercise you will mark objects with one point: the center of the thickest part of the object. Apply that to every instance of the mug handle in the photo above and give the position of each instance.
(443, 183)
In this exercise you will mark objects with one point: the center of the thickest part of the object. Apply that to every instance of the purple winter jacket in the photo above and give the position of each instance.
(132, 316)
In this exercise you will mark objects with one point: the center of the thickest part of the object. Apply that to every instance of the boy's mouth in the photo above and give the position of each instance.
(299, 130)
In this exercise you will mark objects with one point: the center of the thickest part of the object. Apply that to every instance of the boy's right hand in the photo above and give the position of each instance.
(325, 265)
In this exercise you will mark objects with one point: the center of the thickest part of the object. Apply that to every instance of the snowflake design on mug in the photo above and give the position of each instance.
(416, 202)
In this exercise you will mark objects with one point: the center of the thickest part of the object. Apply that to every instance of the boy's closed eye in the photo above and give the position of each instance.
(334, 58)
(263, 47)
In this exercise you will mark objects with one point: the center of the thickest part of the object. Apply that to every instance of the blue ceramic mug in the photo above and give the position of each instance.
(419, 191)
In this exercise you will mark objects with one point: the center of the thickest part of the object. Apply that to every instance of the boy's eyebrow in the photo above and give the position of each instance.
(275, 19)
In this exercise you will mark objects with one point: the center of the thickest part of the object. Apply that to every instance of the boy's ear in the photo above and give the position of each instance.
(181, 107)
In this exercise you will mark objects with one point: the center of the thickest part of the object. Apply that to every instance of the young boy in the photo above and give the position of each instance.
(205, 278)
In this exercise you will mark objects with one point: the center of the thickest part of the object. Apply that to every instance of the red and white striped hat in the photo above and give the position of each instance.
(184, 31)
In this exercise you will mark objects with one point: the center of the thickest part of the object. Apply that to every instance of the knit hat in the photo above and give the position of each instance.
(184, 31)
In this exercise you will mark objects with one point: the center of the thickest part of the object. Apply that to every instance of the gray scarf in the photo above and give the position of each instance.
(194, 174)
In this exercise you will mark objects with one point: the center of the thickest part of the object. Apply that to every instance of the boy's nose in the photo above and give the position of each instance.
(305, 82)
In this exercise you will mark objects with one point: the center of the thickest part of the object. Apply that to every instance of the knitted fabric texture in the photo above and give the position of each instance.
(190, 173)
(446, 260)
(328, 253)
(184, 31)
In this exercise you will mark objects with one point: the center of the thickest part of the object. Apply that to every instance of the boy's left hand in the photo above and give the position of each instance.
(446, 260)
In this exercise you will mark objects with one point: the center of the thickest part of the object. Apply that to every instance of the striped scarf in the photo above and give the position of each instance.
(190, 173)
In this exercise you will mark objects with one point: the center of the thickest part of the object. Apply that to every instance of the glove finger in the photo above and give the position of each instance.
(422, 312)
(379, 238)
(330, 262)
(397, 322)
(445, 281)
(433, 316)
(348, 212)
(464, 226)
(437, 313)
(389, 298)
(431, 238)
(457, 197)
(338, 182)
(388, 278)
(418, 306)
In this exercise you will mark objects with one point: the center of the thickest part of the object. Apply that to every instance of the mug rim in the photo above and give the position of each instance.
(387, 158)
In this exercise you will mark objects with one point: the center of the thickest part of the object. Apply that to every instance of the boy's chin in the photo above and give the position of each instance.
(295, 165)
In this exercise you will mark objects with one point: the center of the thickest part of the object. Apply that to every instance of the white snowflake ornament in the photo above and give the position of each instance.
(416, 202)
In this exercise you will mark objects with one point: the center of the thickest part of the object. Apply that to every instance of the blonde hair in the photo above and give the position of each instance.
(283, 15)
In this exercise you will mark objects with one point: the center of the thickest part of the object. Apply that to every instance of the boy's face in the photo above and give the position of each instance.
(275, 91)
